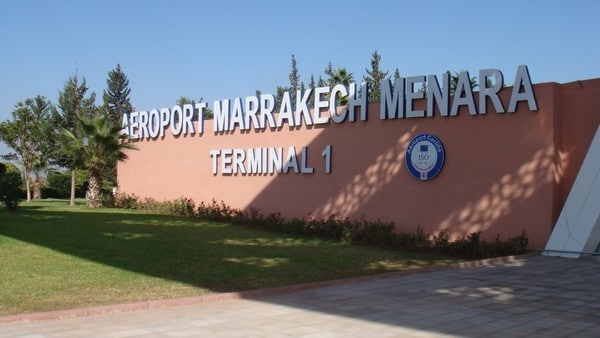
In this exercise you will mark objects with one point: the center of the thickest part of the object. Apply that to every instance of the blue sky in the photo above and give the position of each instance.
(226, 49)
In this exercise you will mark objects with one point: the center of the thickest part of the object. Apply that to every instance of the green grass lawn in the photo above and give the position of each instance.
(53, 256)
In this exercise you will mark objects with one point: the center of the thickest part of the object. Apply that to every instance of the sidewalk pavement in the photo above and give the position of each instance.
(531, 296)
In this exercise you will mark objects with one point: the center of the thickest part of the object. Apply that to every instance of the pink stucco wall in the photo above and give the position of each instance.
(504, 173)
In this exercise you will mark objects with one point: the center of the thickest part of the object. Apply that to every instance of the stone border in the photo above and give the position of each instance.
(174, 302)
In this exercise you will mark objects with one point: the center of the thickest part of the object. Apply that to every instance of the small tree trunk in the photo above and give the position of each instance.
(28, 186)
(93, 194)
(37, 189)
(73, 176)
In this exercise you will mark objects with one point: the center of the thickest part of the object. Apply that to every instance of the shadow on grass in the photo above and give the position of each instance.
(210, 255)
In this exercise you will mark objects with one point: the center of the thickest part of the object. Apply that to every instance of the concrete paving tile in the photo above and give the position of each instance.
(549, 322)
(477, 331)
(129, 333)
(320, 335)
(206, 321)
(500, 324)
(495, 306)
(424, 333)
(580, 325)
(541, 335)
(409, 320)
(166, 327)
(520, 310)
(195, 332)
(452, 326)
(592, 331)
(579, 314)
(300, 331)
(477, 321)
(390, 317)
(71, 333)
(283, 325)
(558, 331)
(520, 331)
(10, 331)
(45, 326)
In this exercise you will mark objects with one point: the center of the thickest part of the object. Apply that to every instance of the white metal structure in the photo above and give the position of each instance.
(577, 230)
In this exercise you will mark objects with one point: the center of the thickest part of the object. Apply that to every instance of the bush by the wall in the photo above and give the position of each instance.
(217, 211)
(10, 185)
(126, 201)
(374, 233)
(181, 207)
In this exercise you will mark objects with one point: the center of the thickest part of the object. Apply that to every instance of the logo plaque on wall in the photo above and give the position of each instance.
(425, 156)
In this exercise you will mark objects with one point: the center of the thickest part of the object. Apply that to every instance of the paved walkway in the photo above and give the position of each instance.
(531, 297)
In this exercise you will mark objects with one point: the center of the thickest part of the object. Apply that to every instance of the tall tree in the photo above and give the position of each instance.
(329, 70)
(74, 105)
(28, 134)
(257, 93)
(396, 76)
(116, 103)
(294, 79)
(100, 145)
(321, 82)
(374, 78)
(116, 96)
(312, 84)
(279, 96)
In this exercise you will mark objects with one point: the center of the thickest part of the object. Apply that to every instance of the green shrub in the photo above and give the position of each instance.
(59, 185)
(469, 247)
(10, 185)
(181, 207)
(126, 201)
(351, 232)
(107, 199)
(51, 192)
(377, 233)
(216, 211)
(518, 244)
(82, 178)
(442, 240)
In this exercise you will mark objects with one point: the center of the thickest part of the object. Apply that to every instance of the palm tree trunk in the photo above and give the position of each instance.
(93, 194)
(28, 186)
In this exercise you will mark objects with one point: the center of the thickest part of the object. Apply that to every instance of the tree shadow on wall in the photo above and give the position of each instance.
(474, 192)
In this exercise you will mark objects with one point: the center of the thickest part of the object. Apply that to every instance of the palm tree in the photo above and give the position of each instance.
(454, 82)
(101, 145)
(339, 76)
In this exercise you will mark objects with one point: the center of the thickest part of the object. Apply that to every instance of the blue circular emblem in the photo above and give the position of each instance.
(425, 156)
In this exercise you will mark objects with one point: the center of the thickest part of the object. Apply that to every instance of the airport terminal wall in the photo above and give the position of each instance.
(503, 172)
